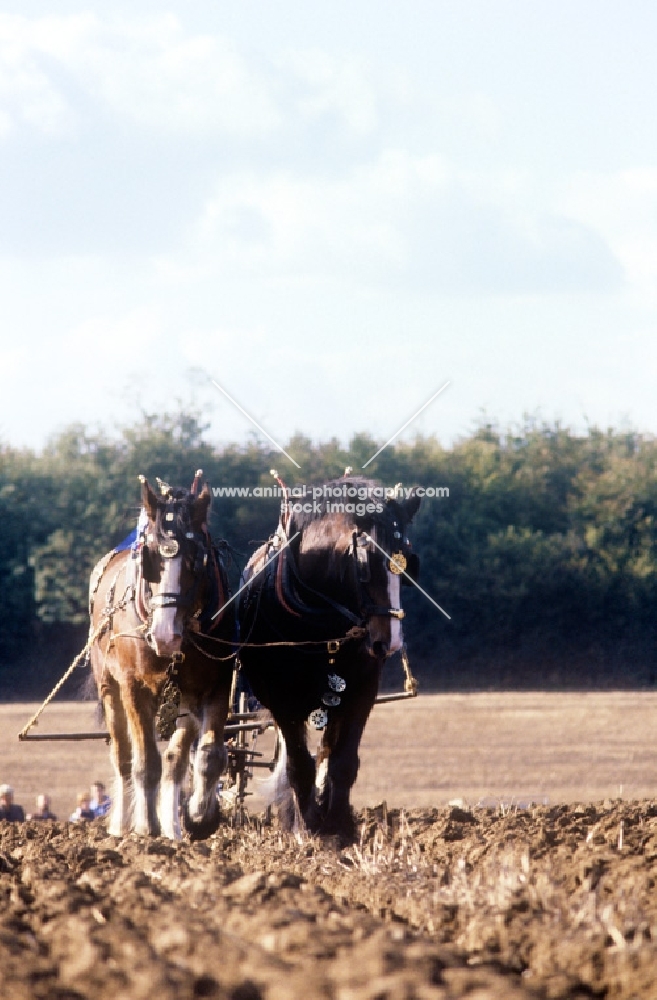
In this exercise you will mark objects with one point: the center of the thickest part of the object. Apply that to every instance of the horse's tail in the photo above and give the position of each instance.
(276, 787)
(99, 715)
(89, 692)
(277, 791)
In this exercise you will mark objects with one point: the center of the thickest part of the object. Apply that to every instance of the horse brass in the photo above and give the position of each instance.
(397, 563)
(318, 718)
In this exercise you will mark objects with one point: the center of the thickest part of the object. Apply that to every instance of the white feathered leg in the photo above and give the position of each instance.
(175, 761)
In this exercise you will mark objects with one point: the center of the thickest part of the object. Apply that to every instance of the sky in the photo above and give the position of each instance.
(330, 210)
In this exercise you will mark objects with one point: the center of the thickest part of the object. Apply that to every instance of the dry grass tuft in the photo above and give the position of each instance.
(378, 851)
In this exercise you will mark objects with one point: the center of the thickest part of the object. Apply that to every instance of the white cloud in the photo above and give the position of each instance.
(310, 222)
(154, 72)
(158, 76)
(622, 207)
(340, 86)
(148, 71)
(27, 94)
(409, 220)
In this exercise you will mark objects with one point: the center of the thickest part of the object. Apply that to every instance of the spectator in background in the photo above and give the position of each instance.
(84, 810)
(101, 803)
(8, 810)
(42, 809)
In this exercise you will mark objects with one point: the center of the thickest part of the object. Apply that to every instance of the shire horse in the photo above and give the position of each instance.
(152, 604)
(319, 614)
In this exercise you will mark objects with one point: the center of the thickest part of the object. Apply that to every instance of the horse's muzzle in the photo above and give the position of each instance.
(164, 647)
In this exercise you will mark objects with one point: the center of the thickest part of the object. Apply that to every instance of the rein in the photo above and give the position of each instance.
(332, 645)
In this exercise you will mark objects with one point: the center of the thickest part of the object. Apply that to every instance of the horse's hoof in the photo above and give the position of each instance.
(200, 829)
(341, 831)
(337, 841)
(148, 831)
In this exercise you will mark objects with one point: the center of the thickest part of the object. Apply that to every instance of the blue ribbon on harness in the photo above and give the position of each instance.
(135, 539)
(127, 542)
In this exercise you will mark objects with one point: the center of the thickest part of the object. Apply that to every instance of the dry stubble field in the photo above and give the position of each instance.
(456, 888)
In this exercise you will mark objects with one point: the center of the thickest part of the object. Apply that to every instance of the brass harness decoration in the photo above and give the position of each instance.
(169, 708)
(397, 563)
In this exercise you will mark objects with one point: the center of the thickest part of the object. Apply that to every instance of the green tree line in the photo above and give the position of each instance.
(544, 553)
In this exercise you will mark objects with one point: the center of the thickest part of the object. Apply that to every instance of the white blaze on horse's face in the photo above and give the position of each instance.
(166, 630)
(379, 627)
(394, 601)
(385, 630)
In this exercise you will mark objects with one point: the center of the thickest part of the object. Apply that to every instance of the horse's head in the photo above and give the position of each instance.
(383, 555)
(175, 556)
(358, 556)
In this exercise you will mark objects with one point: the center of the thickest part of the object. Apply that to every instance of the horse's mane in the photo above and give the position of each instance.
(301, 520)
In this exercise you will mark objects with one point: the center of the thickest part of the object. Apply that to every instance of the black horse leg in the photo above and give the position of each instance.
(339, 758)
(300, 764)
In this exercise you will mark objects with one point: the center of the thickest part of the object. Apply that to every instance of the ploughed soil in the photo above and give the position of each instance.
(548, 901)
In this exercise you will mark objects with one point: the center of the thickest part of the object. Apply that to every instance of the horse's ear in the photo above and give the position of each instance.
(201, 506)
(411, 506)
(148, 498)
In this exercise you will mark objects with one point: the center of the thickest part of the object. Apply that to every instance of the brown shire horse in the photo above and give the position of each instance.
(316, 625)
(154, 602)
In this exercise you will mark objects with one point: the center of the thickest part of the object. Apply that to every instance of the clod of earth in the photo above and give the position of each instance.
(545, 902)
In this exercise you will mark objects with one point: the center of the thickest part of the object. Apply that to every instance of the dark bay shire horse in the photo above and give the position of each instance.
(317, 624)
(153, 605)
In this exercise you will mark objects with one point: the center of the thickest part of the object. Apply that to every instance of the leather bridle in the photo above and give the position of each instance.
(361, 550)
(178, 540)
